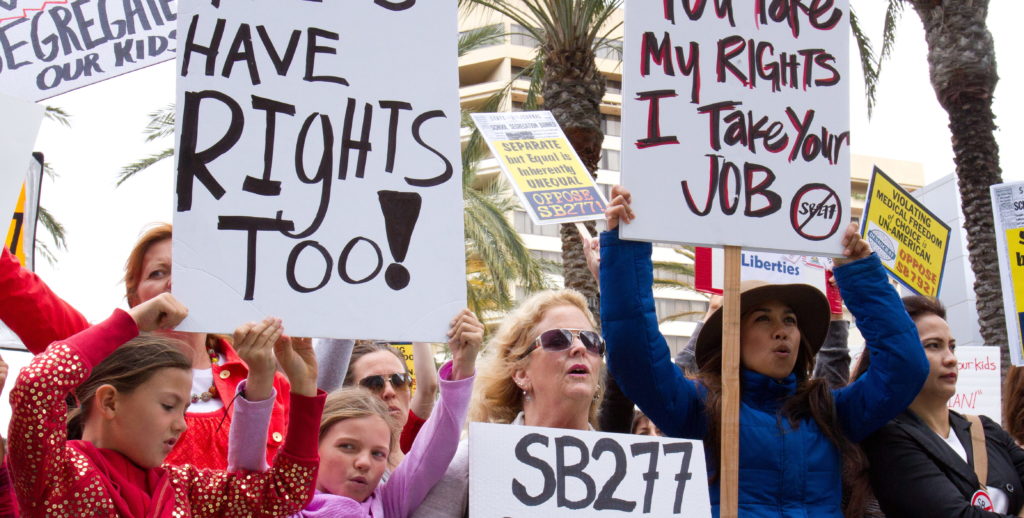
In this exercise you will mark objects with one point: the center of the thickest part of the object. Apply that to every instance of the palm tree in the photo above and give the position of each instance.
(569, 33)
(962, 69)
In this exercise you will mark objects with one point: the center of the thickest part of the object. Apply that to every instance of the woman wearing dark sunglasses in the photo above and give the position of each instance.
(543, 367)
(793, 429)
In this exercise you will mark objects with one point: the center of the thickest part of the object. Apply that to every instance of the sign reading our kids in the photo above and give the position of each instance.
(552, 183)
(50, 47)
(1008, 216)
(736, 125)
(556, 472)
(910, 240)
(315, 182)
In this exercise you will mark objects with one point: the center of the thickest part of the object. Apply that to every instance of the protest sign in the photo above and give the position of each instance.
(736, 124)
(517, 471)
(53, 47)
(552, 183)
(978, 384)
(21, 120)
(709, 265)
(1008, 217)
(21, 234)
(318, 167)
(910, 240)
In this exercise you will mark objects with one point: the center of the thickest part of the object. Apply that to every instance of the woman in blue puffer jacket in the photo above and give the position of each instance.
(793, 430)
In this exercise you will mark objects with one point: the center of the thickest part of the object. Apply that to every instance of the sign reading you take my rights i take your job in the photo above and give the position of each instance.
(318, 170)
(552, 183)
(910, 240)
(555, 472)
(736, 123)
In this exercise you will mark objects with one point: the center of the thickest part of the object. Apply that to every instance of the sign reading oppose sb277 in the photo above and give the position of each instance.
(318, 170)
(736, 123)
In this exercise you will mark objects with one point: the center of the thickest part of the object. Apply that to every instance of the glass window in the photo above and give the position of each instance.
(689, 310)
(611, 125)
(520, 36)
(611, 86)
(611, 160)
(491, 42)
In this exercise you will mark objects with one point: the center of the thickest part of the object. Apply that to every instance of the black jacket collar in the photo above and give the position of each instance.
(937, 447)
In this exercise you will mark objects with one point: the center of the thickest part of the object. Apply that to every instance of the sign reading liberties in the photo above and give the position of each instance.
(50, 47)
(910, 240)
(315, 181)
(736, 123)
(551, 181)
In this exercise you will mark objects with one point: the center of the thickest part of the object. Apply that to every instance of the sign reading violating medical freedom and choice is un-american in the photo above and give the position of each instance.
(910, 240)
(1008, 216)
(555, 472)
(50, 47)
(544, 169)
(315, 181)
(736, 123)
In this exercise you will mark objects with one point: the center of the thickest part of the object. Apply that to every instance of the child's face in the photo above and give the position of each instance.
(149, 420)
(353, 457)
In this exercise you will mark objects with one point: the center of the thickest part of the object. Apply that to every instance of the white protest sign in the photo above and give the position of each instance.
(318, 170)
(736, 124)
(48, 48)
(1008, 217)
(517, 471)
(709, 268)
(978, 384)
(21, 120)
(552, 183)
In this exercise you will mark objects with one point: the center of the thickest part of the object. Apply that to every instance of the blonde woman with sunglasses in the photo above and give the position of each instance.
(543, 367)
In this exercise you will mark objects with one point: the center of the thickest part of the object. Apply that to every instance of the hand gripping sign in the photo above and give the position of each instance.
(315, 181)
(518, 471)
(736, 125)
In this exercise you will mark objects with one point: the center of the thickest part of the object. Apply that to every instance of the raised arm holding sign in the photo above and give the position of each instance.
(803, 423)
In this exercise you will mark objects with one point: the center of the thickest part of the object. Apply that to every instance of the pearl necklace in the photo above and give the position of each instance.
(212, 391)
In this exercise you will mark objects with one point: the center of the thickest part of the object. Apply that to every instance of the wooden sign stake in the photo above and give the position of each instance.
(729, 457)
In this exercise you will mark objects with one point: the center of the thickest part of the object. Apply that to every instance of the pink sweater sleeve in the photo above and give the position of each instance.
(432, 451)
(247, 438)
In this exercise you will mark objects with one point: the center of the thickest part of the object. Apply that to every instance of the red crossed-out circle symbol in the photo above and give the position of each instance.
(815, 212)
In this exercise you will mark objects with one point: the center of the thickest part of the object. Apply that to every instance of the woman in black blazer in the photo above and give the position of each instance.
(922, 463)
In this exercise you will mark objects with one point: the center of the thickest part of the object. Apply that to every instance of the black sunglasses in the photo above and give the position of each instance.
(561, 339)
(375, 383)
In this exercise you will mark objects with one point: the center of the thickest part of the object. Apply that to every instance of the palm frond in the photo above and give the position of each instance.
(138, 166)
(480, 37)
(58, 115)
(161, 124)
(868, 64)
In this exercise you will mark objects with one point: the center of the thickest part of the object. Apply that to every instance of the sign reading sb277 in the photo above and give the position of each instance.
(532, 471)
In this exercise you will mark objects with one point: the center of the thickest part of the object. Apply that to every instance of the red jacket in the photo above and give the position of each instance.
(39, 317)
(54, 477)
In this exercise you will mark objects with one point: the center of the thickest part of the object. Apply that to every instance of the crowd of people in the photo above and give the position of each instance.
(128, 417)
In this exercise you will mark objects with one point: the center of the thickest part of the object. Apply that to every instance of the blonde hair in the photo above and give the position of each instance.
(497, 398)
(353, 403)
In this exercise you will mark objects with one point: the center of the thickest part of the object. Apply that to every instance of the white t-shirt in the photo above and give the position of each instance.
(202, 380)
(1000, 502)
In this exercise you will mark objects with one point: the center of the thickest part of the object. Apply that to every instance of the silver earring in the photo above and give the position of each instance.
(527, 396)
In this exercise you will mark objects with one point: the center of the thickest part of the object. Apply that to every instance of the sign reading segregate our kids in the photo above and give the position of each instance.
(51, 47)
(552, 183)
(555, 472)
(910, 240)
(1008, 216)
(736, 123)
(316, 182)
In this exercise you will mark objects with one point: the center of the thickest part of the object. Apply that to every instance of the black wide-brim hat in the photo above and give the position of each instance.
(807, 302)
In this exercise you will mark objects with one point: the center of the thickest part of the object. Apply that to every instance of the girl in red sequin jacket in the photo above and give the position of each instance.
(39, 317)
(132, 400)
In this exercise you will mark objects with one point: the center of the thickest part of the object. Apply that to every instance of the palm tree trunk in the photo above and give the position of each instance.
(962, 65)
(573, 88)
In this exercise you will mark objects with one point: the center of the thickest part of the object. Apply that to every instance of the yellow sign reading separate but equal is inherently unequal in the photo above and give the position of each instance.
(15, 241)
(548, 176)
(910, 240)
(1015, 249)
